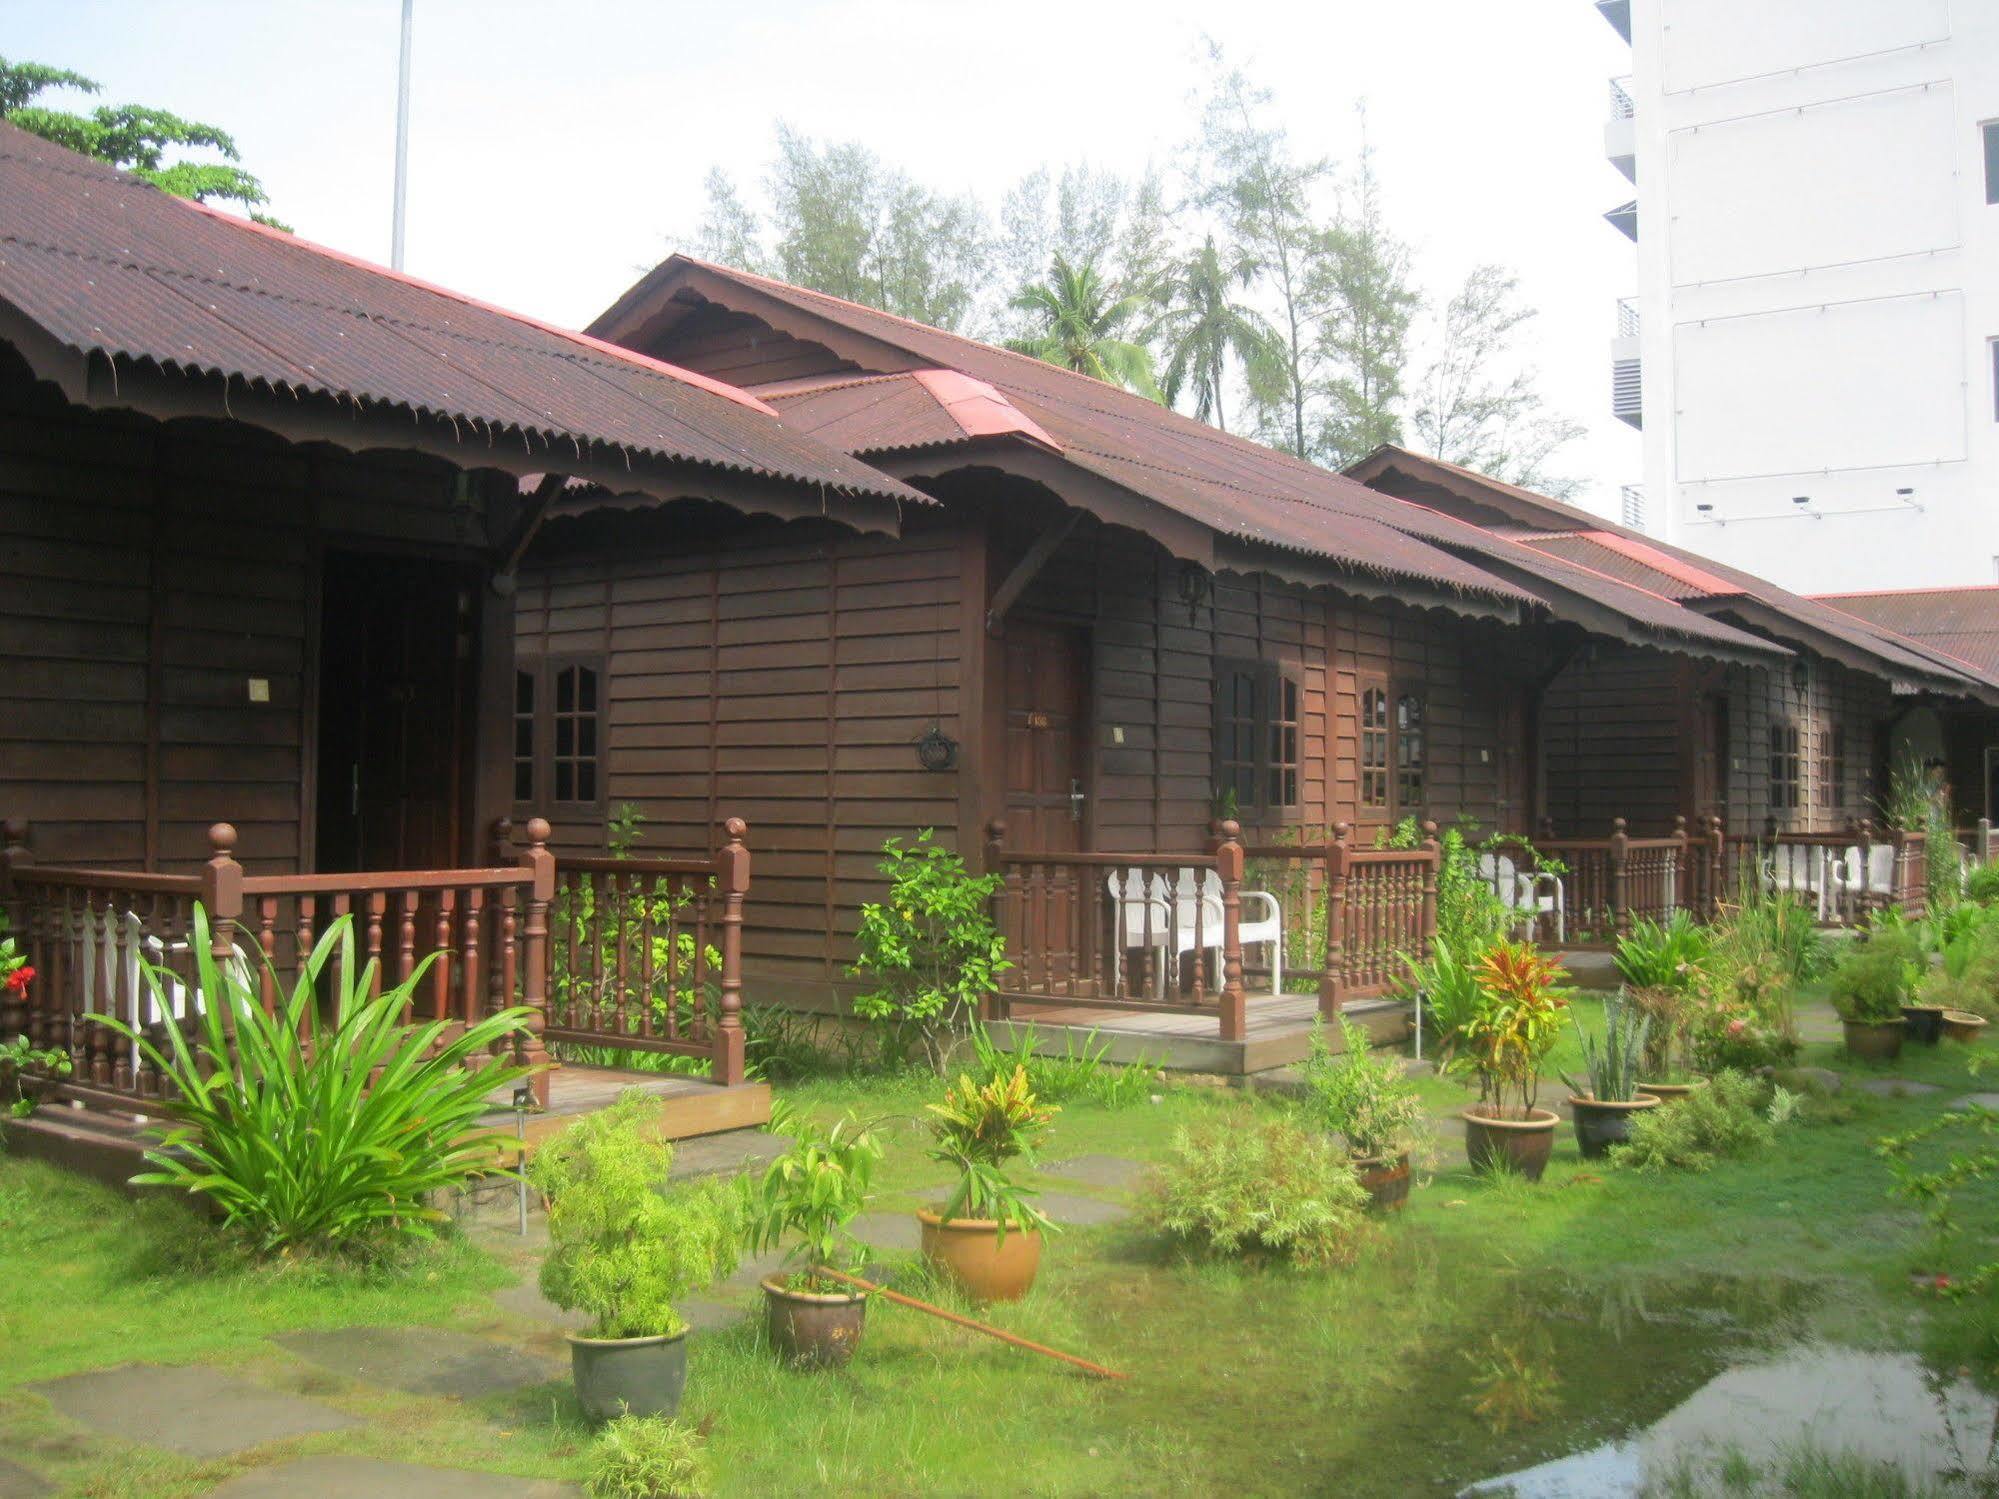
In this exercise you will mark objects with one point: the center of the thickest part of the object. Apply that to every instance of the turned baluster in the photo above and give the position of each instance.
(732, 879)
(528, 1048)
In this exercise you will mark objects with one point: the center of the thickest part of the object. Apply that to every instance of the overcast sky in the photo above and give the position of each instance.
(557, 145)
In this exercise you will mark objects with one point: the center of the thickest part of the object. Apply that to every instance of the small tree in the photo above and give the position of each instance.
(930, 950)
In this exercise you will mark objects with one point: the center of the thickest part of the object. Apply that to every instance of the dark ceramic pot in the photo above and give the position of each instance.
(1924, 1022)
(1521, 1145)
(1874, 1041)
(814, 1329)
(1386, 1179)
(1962, 1025)
(642, 1375)
(1602, 1123)
(1669, 1092)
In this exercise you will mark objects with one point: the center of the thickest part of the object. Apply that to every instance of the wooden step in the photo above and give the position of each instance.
(105, 1146)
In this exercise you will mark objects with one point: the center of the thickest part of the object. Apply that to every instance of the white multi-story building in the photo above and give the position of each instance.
(1813, 349)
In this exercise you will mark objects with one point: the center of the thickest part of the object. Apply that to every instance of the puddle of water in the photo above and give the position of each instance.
(1884, 1407)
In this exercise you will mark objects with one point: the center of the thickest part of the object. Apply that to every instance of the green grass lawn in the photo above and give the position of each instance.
(1617, 1294)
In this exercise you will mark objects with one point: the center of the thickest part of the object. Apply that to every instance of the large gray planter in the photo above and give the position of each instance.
(641, 1375)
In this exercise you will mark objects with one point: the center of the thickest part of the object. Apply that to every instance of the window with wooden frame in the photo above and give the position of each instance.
(1832, 766)
(1375, 737)
(1256, 736)
(1409, 751)
(1784, 768)
(559, 732)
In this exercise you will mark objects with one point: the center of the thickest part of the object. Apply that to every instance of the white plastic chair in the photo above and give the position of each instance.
(1801, 869)
(1528, 894)
(1861, 883)
(1144, 915)
(100, 930)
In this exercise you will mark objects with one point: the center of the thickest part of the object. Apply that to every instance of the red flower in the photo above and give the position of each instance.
(20, 978)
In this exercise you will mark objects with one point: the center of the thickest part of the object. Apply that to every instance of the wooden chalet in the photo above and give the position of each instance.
(261, 510)
(1117, 632)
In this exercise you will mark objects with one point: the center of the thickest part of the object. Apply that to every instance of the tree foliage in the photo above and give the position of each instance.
(1206, 322)
(133, 137)
(1081, 322)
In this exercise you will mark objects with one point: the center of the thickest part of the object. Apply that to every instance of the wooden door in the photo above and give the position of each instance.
(1047, 762)
(395, 655)
(1711, 756)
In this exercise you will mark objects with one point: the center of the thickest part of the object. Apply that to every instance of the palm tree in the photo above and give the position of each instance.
(1081, 319)
(1204, 326)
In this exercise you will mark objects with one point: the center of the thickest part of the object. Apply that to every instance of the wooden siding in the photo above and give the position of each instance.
(785, 683)
(147, 572)
(741, 349)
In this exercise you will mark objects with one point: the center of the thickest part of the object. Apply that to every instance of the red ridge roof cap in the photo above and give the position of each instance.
(1672, 567)
(978, 408)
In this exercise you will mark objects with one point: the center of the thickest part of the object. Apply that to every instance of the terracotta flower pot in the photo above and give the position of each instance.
(1924, 1022)
(813, 1329)
(1386, 1179)
(1875, 1041)
(970, 1253)
(642, 1375)
(1521, 1145)
(1670, 1092)
(1962, 1025)
(1604, 1122)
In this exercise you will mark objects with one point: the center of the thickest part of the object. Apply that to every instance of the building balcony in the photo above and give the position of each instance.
(1626, 384)
(1618, 13)
(1624, 218)
(1620, 131)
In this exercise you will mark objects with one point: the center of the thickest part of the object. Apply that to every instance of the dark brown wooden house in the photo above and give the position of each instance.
(261, 508)
(1115, 628)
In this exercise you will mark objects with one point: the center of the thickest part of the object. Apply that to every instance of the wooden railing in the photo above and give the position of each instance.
(646, 954)
(1145, 931)
(93, 934)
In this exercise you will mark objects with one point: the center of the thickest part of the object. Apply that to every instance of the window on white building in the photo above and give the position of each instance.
(1990, 130)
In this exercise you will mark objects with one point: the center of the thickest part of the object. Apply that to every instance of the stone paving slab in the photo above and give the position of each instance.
(423, 1360)
(1897, 1087)
(526, 1300)
(347, 1477)
(726, 1153)
(756, 1267)
(17, 1482)
(704, 1315)
(1976, 1100)
(1113, 1173)
(896, 1232)
(194, 1410)
(1080, 1212)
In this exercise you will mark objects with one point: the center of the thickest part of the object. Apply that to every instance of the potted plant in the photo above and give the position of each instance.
(1511, 1029)
(1867, 988)
(1368, 1099)
(1662, 965)
(815, 1190)
(624, 1246)
(993, 1250)
(1605, 1101)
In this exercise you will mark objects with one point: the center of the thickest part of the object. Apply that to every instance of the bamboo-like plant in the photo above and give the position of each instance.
(1613, 1064)
(314, 1133)
(815, 1189)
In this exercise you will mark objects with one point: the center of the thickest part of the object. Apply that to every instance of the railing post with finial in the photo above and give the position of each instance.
(528, 1048)
(1981, 841)
(1427, 928)
(732, 878)
(1718, 864)
(1234, 1001)
(1679, 872)
(1867, 864)
(222, 897)
(1005, 911)
(1332, 978)
(1620, 884)
(503, 841)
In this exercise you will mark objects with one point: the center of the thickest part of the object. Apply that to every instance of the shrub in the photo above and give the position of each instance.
(930, 950)
(1360, 1094)
(1081, 1071)
(625, 1244)
(815, 1189)
(1514, 1024)
(1662, 955)
(979, 1129)
(1260, 1188)
(1981, 886)
(1718, 1122)
(1449, 981)
(315, 1133)
(1611, 1066)
(648, 1457)
(1871, 981)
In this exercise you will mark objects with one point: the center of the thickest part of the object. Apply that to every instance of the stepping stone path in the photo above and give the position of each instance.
(1897, 1087)
(194, 1410)
(1111, 1173)
(423, 1360)
(899, 1233)
(1072, 1211)
(1970, 1100)
(334, 1477)
(725, 1154)
(16, 1482)
(526, 1300)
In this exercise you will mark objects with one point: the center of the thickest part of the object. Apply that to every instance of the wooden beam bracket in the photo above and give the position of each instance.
(1027, 570)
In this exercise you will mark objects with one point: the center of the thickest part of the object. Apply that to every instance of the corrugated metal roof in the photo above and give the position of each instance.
(1679, 573)
(109, 265)
(1964, 622)
(901, 412)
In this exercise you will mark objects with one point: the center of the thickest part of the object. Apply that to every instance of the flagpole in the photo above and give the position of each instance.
(402, 139)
